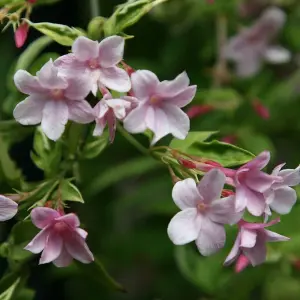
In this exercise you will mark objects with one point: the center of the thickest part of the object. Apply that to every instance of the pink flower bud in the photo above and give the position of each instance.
(227, 193)
(21, 34)
(187, 163)
(241, 264)
(198, 110)
(261, 110)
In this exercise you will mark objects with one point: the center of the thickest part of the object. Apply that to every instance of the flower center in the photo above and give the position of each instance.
(154, 100)
(201, 206)
(61, 228)
(93, 63)
(57, 94)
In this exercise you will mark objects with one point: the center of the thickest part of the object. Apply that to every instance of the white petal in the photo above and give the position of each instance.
(234, 253)
(85, 49)
(248, 238)
(38, 242)
(284, 200)
(52, 249)
(78, 87)
(119, 107)
(80, 112)
(277, 55)
(8, 208)
(275, 237)
(135, 120)
(27, 84)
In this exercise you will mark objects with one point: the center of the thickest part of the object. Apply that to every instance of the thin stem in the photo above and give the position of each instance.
(95, 8)
(132, 140)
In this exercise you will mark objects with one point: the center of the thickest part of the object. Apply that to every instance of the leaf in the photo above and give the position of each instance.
(128, 14)
(95, 271)
(69, 192)
(95, 145)
(26, 294)
(62, 34)
(133, 167)
(31, 53)
(7, 281)
(192, 137)
(226, 154)
(8, 294)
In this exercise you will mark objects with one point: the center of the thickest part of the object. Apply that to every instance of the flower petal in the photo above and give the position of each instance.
(185, 194)
(184, 226)
(85, 49)
(99, 128)
(235, 251)
(249, 66)
(211, 238)
(259, 181)
(284, 200)
(183, 98)
(144, 84)
(80, 112)
(68, 64)
(275, 237)
(27, 84)
(259, 162)
(119, 106)
(135, 120)
(70, 219)
(111, 51)
(38, 243)
(64, 259)
(277, 55)
(291, 177)
(82, 233)
(78, 87)
(8, 208)
(30, 110)
(240, 198)
(55, 117)
(116, 79)
(53, 248)
(248, 238)
(43, 216)
(256, 202)
(211, 185)
(257, 254)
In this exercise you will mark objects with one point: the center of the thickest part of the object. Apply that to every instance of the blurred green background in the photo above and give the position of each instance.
(128, 196)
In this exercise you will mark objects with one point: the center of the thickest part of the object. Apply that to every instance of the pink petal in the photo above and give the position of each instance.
(291, 177)
(55, 117)
(99, 128)
(184, 226)
(240, 198)
(115, 78)
(257, 254)
(64, 259)
(211, 185)
(223, 211)
(256, 226)
(173, 87)
(101, 109)
(211, 237)
(78, 249)
(277, 169)
(144, 84)
(119, 107)
(179, 122)
(38, 243)
(78, 87)
(248, 238)
(259, 162)
(68, 64)
(111, 51)
(135, 120)
(30, 110)
(259, 181)
(183, 98)
(284, 200)
(43, 216)
(49, 79)
(27, 84)
(80, 112)
(85, 49)
(70, 219)
(256, 202)
(249, 66)
(82, 233)
(275, 237)
(185, 194)
(53, 248)
(8, 208)
(232, 256)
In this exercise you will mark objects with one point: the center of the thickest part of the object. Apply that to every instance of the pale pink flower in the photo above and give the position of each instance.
(53, 100)
(8, 208)
(280, 196)
(99, 61)
(60, 239)
(108, 110)
(252, 46)
(21, 35)
(203, 213)
(251, 184)
(160, 105)
(250, 244)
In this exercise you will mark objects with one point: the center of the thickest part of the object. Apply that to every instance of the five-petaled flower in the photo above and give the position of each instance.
(203, 213)
(160, 105)
(60, 239)
(250, 244)
(8, 208)
(53, 100)
(99, 61)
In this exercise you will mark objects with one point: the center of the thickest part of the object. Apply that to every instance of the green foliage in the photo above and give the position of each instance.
(67, 191)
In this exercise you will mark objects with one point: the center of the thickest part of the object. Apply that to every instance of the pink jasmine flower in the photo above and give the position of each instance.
(252, 46)
(250, 244)
(60, 238)
(203, 213)
(160, 105)
(108, 110)
(8, 208)
(251, 184)
(21, 35)
(53, 100)
(280, 196)
(99, 61)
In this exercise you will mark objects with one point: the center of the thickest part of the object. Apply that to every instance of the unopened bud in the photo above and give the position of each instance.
(48, 204)
(261, 110)
(227, 193)
(241, 263)
(198, 110)
(189, 164)
(21, 35)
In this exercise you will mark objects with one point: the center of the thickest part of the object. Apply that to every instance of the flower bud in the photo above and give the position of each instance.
(260, 109)
(21, 34)
(198, 110)
(227, 193)
(189, 164)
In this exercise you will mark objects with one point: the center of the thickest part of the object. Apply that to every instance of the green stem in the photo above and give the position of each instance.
(132, 140)
(95, 8)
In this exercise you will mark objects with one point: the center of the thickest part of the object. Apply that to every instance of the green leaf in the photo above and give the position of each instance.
(226, 154)
(192, 137)
(9, 293)
(128, 14)
(7, 281)
(95, 145)
(62, 34)
(26, 294)
(69, 192)
(29, 56)
(96, 271)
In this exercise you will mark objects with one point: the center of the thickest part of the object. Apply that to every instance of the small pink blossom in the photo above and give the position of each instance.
(280, 196)
(108, 110)
(250, 244)
(203, 213)
(99, 61)
(53, 100)
(199, 110)
(160, 105)
(261, 110)
(252, 46)
(21, 35)
(8, 208)
(60, 239)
